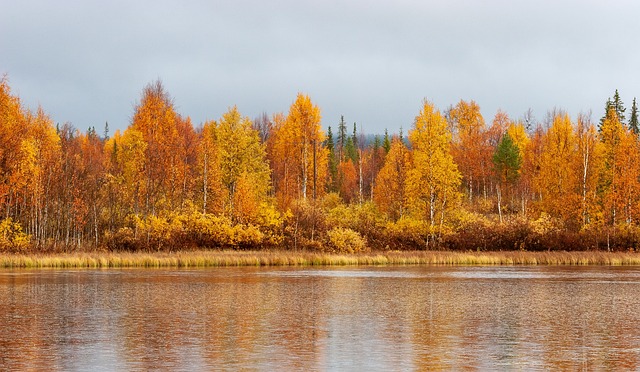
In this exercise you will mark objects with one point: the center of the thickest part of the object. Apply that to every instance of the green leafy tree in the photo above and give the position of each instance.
(507, 162)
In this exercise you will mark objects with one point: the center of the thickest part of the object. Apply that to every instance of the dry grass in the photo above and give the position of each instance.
(288, 258)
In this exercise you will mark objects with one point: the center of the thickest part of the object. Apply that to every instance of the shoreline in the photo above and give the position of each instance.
(229, 258)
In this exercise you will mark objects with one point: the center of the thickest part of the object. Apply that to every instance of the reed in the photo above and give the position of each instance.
(202, 258)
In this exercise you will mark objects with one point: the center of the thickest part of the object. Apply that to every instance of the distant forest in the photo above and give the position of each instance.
(281, 182)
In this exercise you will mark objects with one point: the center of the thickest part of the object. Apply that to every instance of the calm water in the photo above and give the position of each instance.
(371, 318)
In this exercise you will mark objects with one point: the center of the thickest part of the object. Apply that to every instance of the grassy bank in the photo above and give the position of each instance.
(288, 258)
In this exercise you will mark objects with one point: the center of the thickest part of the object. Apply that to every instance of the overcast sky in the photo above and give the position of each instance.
(87, 62)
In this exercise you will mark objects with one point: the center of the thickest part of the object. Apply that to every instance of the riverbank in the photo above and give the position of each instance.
(202, 258)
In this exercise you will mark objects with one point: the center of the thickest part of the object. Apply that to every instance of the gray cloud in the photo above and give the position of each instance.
(373, 61)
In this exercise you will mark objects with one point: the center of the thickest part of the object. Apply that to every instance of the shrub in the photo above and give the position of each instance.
(363, 218)
(121, 239)
(271, 224)
(303, 223)
(406, 234)
(342, 240)
(12, 238)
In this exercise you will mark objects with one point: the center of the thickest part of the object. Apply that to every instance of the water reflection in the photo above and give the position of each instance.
(393, 318)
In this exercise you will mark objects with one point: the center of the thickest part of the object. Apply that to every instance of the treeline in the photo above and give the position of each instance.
(455, 182)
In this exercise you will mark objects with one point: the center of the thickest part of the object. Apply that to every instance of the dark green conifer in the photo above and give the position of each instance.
(633, 119)
(342, 138)
(333, 164)
(386, 142)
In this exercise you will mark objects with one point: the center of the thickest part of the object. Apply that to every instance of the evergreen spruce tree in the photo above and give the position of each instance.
(376, 143)
(615, 104)
(607, 106)
(619, 107)
(333, 165)
(350, 150)
(633, 119)
(342, 138)
(386, 142)
(355, 136)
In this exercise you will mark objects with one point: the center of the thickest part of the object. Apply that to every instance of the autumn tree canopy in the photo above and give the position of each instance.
(279, 180)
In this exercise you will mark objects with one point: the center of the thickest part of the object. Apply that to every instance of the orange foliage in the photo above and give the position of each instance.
(348, 180)
(389, 194)
(297, 141)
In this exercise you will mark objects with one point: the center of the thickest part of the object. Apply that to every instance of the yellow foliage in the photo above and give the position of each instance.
(296, 142)
(343, 240)
(545, 224)
(519, 136)
(433, 182)
(389, 193)
(270, 223)
(408, 233)
(462, 219)
(557, 180)
(620, 172)
(330, 201)
(12, 238)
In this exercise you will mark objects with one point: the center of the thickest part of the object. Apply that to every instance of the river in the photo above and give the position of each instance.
(344, 318)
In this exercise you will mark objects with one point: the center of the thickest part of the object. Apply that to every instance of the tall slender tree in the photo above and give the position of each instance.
(155, 118)
(299, 148)
(390, 191)
(333, 161)
(559, 179)
(469, 146)
(433, 182)
(386, 142)
(634, 125)
(617, 106)
(507, 162)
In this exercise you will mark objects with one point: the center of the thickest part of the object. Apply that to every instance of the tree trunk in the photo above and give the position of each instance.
(499, 195)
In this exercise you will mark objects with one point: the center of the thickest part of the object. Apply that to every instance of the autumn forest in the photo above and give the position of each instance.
(455, 181)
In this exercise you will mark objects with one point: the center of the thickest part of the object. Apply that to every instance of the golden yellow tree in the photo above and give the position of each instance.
(627, 183)
(155, 118)
(521, 139)
(302, 160)
(183, 175)
(38, 168)
(469, 147)
(12, 133)
(389, 194)
(519, 136)
(590, 159)
(558, 179)
(243, 166)
(433, 182)
(619, 174)
(611, 134)
(209, 170)
(126, 183)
